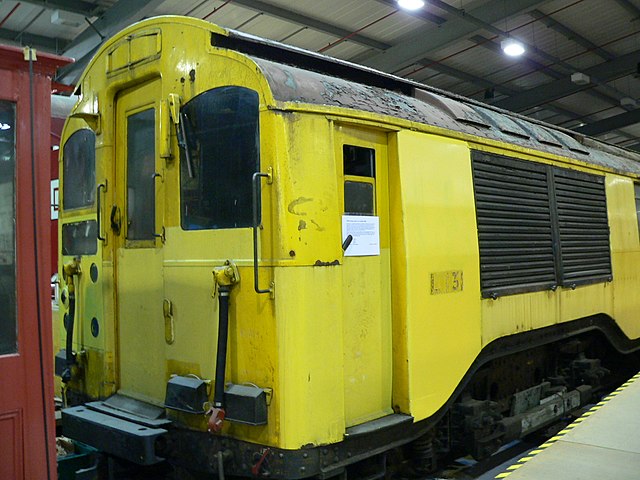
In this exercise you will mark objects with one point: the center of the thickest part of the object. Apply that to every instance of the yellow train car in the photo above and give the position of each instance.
(279, 264)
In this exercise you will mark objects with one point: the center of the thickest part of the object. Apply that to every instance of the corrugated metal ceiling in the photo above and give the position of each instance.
(445, 45)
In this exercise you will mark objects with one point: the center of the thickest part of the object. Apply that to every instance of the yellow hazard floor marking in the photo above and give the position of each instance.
(567, 429)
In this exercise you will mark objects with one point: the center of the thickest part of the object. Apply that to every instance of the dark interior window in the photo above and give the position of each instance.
(141, 188)
(219, 132)
(79, 170)
(358, 198)
(359, 161)
(359, 186)
(8, 322)
(80, 238)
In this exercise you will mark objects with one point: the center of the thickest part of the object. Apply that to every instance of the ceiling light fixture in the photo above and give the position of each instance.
(512, 47)
(411, 4)
(628, 102)
(4, 126)
(580, 78)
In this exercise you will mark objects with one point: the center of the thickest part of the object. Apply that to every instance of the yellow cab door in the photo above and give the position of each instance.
(138, 235)
(362, 154)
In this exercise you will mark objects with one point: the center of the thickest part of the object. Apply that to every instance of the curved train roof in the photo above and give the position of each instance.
(301, 76)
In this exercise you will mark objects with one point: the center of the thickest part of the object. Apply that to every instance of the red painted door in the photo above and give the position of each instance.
(27, 429)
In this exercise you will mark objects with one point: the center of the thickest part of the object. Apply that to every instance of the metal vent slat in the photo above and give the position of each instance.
(583, 227)
(509, 196)
(514, 225)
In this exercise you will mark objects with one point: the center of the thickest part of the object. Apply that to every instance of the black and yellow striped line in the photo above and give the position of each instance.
(568, 428)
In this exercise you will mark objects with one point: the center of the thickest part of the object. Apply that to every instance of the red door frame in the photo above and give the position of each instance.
(26, 378)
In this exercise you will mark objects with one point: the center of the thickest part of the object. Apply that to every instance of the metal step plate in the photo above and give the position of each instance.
(104, 407)
(379, 424)
(134, 407)
(116, 436)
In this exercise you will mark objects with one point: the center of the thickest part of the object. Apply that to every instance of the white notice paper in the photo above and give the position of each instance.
(365, 235)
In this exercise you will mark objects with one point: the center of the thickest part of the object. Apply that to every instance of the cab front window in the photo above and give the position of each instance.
(79, 170)
(219, 137)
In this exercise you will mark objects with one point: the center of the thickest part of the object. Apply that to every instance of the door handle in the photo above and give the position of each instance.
(116, 219)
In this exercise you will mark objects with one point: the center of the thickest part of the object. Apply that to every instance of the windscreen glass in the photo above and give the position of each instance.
(219, 135)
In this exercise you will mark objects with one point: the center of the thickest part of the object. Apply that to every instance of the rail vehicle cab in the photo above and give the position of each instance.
(265, 272)
(181, 189)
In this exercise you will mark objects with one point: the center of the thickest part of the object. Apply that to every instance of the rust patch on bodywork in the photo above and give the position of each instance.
(320, 263)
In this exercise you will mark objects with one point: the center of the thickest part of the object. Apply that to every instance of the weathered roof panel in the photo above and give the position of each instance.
(297, 85)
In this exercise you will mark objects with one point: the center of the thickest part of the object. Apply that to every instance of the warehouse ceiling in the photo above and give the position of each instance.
(580, 70)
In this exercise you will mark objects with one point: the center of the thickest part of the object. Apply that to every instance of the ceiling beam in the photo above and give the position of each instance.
(467, 77)
(605, 71)
(571, 34)
(420, 42)
(324, 27)
(82, 48)
(612, 95)
(609, 94)
(630, 7)
(49, 44)
(86, 9)
(611, 123)
(482, 83)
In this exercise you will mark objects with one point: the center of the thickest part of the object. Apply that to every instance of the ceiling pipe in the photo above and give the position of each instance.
(9, 14)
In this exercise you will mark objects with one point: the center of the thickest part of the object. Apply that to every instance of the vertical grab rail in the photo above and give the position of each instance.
(256, 225)
(99, 208)
(160, 235)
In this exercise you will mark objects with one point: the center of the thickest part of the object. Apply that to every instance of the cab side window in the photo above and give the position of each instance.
(78, 191)
(359, 180)
(79, 170)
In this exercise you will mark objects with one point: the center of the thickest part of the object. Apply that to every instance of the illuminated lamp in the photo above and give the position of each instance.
(512, 47)
(411, 4)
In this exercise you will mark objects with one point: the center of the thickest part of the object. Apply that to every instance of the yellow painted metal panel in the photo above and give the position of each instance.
(118, 57)
(306, 178)
(585, 301)
(442, 331)
(252, 354)
(625, 253)
(366, 283)
(518, 313)
(145, 46)
(141, 324)
(138, 266)
(310, 350)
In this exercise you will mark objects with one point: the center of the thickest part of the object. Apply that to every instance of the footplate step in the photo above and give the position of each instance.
(116, 436)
